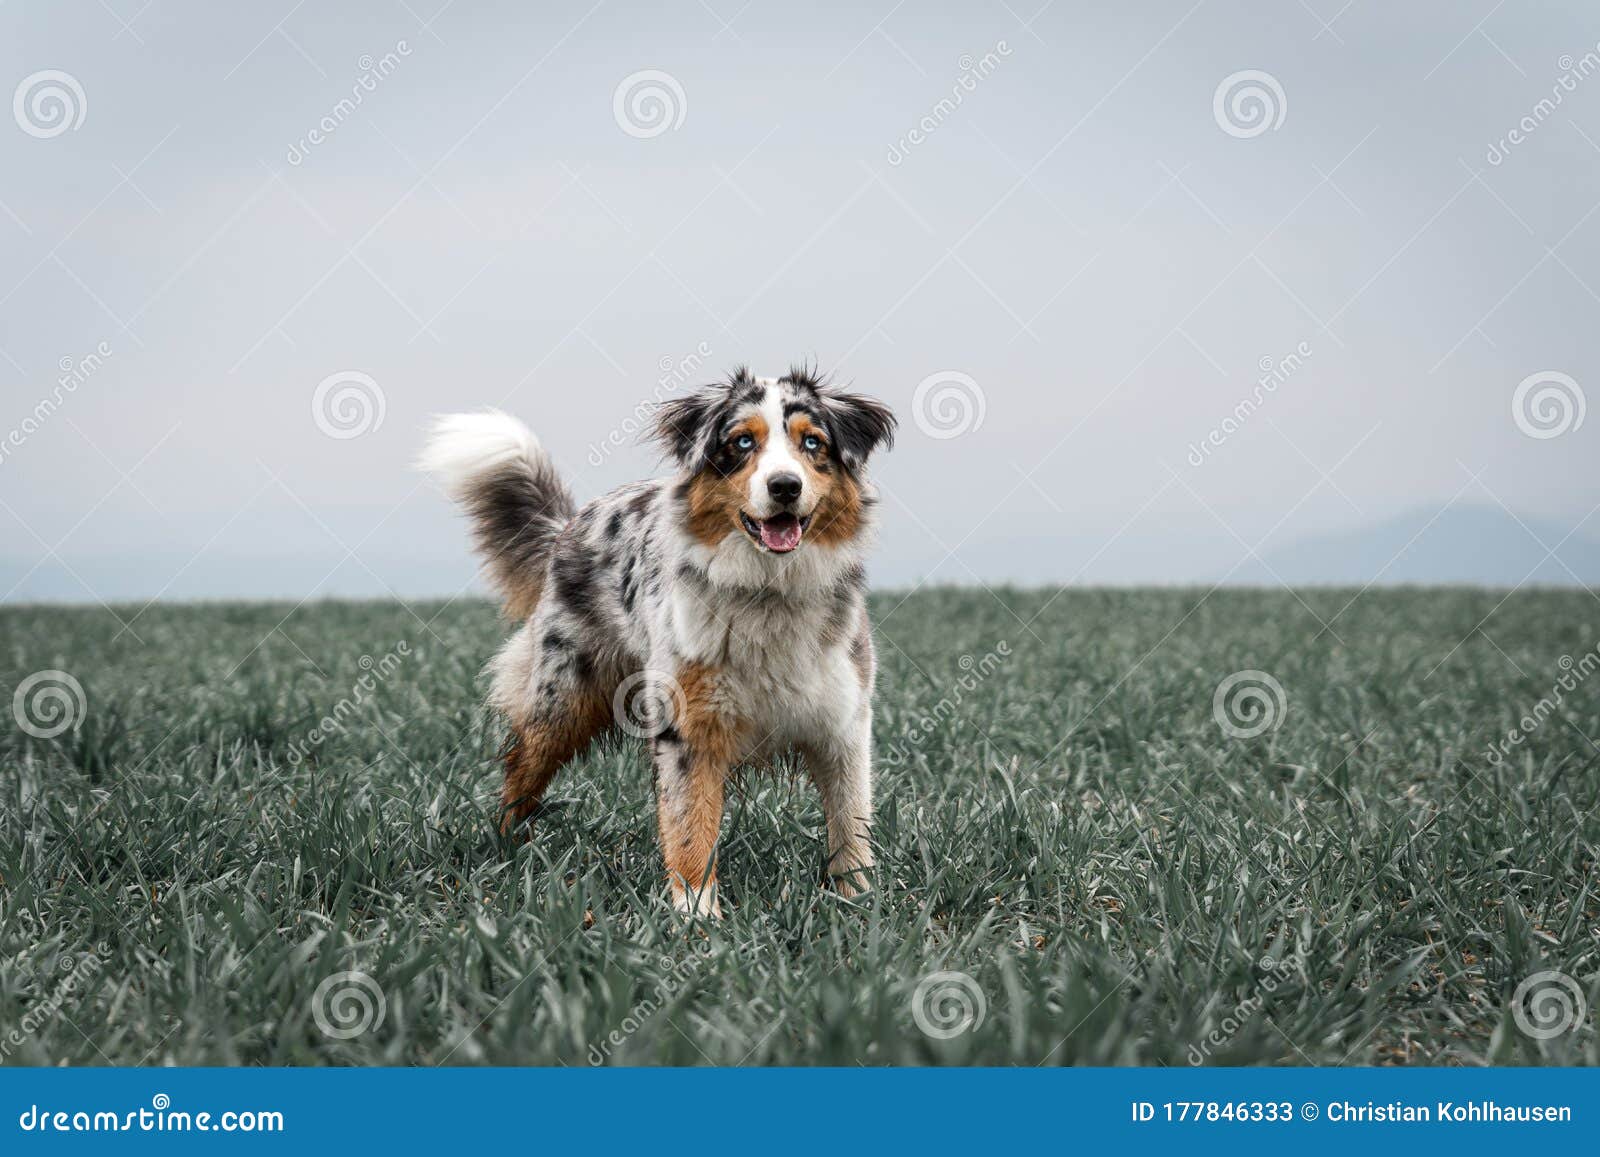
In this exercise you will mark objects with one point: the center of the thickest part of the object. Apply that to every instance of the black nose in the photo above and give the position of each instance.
(784, 488)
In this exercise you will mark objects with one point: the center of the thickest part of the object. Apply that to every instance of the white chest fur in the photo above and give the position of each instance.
(778, 670)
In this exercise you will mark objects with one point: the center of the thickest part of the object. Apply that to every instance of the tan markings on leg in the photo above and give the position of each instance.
(690, 791)
(536, 751)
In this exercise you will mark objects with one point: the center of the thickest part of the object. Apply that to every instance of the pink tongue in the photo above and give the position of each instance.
(781, 533)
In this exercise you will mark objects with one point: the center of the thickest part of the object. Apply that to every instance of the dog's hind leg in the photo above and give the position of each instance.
(538, 749)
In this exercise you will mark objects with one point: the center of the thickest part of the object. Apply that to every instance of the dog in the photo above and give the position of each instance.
(718, 612)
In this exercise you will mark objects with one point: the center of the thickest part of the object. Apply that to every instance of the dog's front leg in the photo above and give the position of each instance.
(841, 767)
(693, 757)
(689, 810)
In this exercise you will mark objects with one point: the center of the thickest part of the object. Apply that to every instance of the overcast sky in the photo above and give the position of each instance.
(1057, 212)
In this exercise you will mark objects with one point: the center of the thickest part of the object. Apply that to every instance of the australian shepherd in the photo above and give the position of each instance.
(718, 612)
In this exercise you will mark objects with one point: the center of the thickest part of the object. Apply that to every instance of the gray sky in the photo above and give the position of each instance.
(1081, 237)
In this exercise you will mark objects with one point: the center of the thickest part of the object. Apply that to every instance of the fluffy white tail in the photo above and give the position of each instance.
(495, 468)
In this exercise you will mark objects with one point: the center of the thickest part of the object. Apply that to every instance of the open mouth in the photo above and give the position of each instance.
(780, 534)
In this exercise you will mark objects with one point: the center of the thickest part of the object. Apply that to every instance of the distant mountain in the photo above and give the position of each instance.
(1465, 544)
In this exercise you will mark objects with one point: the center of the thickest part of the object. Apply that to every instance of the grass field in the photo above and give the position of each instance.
(1062, 819)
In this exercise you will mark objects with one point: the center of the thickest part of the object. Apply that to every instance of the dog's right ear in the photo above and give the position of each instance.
(681, 425)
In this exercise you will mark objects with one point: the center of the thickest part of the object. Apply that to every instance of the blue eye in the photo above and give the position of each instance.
(745, 442)
(811, 443)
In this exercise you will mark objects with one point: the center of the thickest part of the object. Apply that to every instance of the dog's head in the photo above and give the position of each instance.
(777, 460)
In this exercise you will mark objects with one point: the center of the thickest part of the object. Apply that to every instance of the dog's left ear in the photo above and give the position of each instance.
(859, 424)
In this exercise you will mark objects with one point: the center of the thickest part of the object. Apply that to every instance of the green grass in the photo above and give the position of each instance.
(1077, 835)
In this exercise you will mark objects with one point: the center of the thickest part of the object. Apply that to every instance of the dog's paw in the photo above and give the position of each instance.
(705, 903)
(851, 885)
